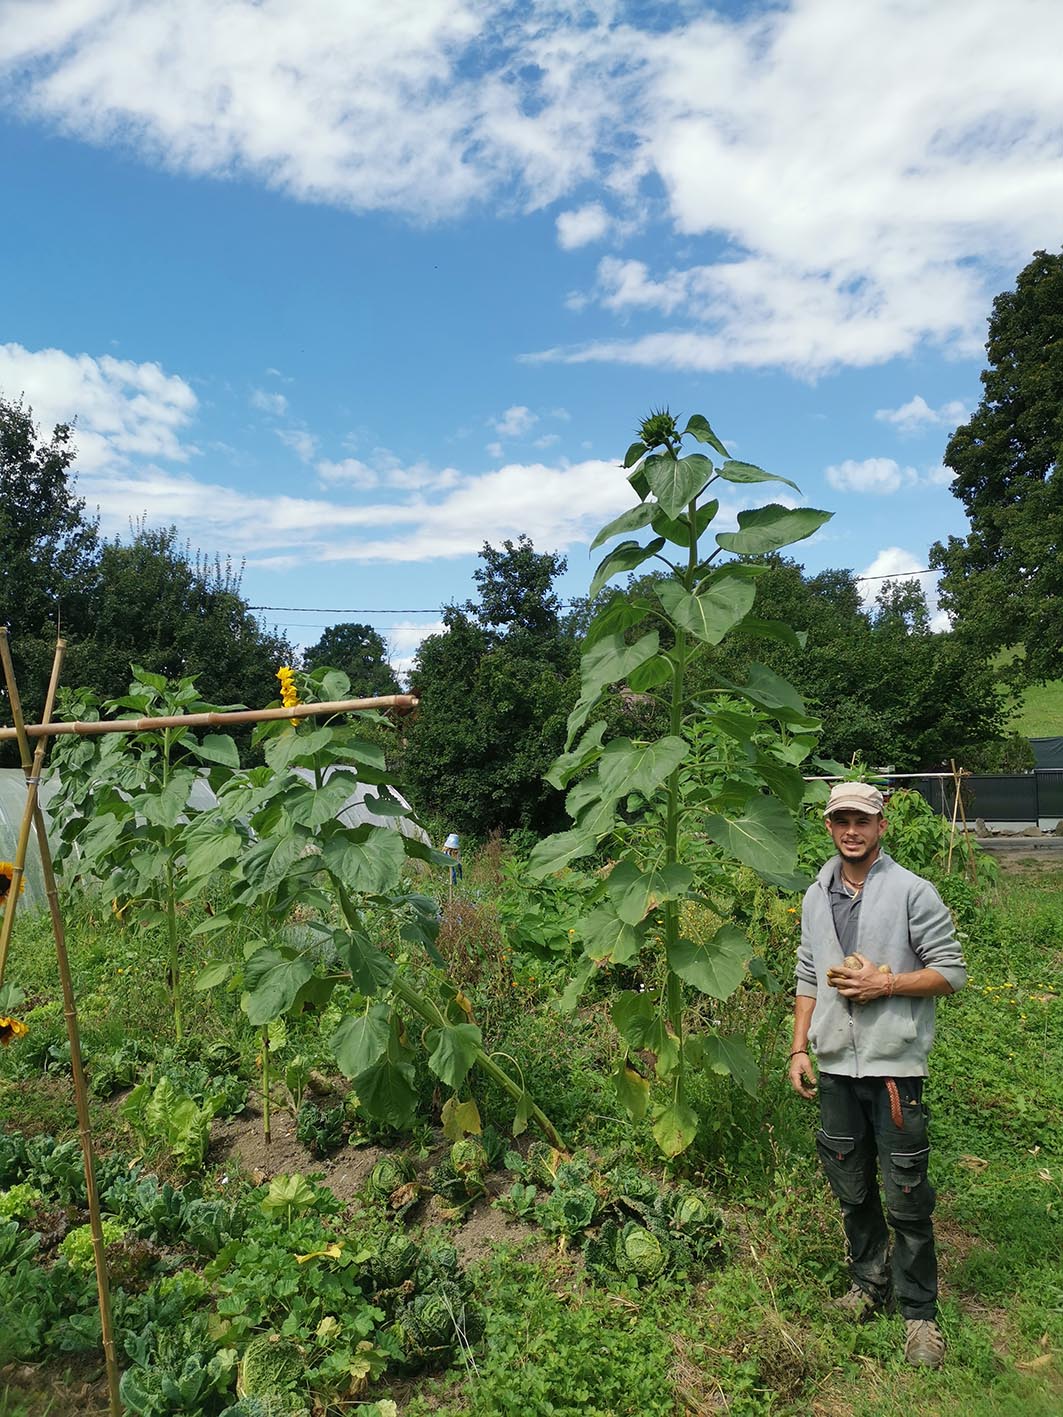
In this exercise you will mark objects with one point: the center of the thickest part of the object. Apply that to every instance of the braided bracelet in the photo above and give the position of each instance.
(798, 1054)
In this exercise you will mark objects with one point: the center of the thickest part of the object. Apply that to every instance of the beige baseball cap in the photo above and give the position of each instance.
(854, 797)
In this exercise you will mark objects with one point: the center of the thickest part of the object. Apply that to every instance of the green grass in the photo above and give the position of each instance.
(758, 1337)
(1040, 714)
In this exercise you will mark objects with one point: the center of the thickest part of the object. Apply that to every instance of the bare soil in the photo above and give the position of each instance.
(239, 1140)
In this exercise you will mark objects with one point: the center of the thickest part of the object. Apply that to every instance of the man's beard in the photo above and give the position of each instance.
(849, 854)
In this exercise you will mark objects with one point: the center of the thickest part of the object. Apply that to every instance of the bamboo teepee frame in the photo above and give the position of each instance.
(33, 819)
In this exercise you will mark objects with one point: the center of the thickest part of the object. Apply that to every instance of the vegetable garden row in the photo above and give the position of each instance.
(585, 1043)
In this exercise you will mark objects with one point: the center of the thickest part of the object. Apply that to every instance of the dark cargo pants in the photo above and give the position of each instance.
(856, 1132)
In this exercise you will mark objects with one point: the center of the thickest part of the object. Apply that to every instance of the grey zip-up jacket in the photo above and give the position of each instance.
(904, 923)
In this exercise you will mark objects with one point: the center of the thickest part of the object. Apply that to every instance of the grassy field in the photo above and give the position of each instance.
(1041, 712)
(756, 1333)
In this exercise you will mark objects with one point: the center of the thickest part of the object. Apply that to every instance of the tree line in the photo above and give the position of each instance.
(496, 687)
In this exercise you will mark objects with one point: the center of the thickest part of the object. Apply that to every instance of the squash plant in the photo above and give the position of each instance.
(673, 813)
(323, 888)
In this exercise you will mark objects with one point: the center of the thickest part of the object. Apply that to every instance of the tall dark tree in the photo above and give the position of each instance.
(178, 614)
(362, 655)
(1003, 582)
(49, 549)
(495, 691)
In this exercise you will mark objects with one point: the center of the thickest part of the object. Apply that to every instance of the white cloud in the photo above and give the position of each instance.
(302, 443)
(848, 181)
(581, 226)
(123, 410)
(515, 422)
(275, 404)
(450, 515)
(494, 450)
(896, 564)
(881, 475)
(917, 415)
(940, 475)
(547, 440)
(352, 471)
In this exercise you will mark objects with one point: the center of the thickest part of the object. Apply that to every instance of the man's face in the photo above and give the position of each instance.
(856, 835)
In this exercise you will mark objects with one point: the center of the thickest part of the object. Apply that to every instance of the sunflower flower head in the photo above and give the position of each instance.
(7, 875)
(289, 692)
(11, 1028)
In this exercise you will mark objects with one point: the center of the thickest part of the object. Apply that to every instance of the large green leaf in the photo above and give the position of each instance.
(675, 482)
(784, 780)
(617, 615)
(272, 978)
(651, 675)
(636, 1019)
(675, 1128)
(295, 744)
(631, 520)
(361, 1040)
(769, 528)
(624, 557)
(636, 451)
(387, 1092)
(208, 850)
(312, 806)
(770, 691)
(711, 613)
(763, 837)
(608, 938)
(213, 974)
(553, 853)
(715, 966)
(629, 767)
(606, 661)
(164, 807)
(632, 1089)
(677, 529)
(371, 969)
(635, 893)
(748, 472)
(592, 810)
(365, 858)
(698, 427)
(727, 1054)
(454, 1049)
(217, 748)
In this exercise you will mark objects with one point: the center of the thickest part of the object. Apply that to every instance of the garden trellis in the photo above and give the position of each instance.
(33, 822)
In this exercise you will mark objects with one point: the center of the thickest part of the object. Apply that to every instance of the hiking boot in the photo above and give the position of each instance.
(924, 1346)
(857, 1304)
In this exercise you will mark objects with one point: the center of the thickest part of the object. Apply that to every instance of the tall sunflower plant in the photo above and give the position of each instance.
(310, 890)
(123, 803)
(721, 787)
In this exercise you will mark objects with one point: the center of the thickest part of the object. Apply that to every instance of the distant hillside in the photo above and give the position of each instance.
(1041, 714)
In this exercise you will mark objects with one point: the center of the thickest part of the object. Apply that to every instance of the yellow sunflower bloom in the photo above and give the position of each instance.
(7, 875)
(11, 1028)
(289, 692)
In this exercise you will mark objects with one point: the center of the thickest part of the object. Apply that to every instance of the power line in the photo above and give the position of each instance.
(437, 610)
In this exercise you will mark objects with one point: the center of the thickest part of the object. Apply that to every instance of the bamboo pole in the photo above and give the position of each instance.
(32, 769)
(399, 703)
(955, 814)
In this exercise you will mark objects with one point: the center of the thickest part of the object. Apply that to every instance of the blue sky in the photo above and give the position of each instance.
(346, 290)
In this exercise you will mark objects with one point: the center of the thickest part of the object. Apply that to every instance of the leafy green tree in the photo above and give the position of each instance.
(1003, 582)
(179, 615)
(361, 654)
(887, 687)
(49, 549)
(494, 691)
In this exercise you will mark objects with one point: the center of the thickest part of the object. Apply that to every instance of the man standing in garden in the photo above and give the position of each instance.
(877, 947)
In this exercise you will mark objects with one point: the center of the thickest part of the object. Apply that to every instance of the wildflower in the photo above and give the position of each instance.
(11, 1028)
(289, 692)
(7, 875)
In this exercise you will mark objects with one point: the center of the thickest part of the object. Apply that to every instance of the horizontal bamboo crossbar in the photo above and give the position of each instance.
(400, 703)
